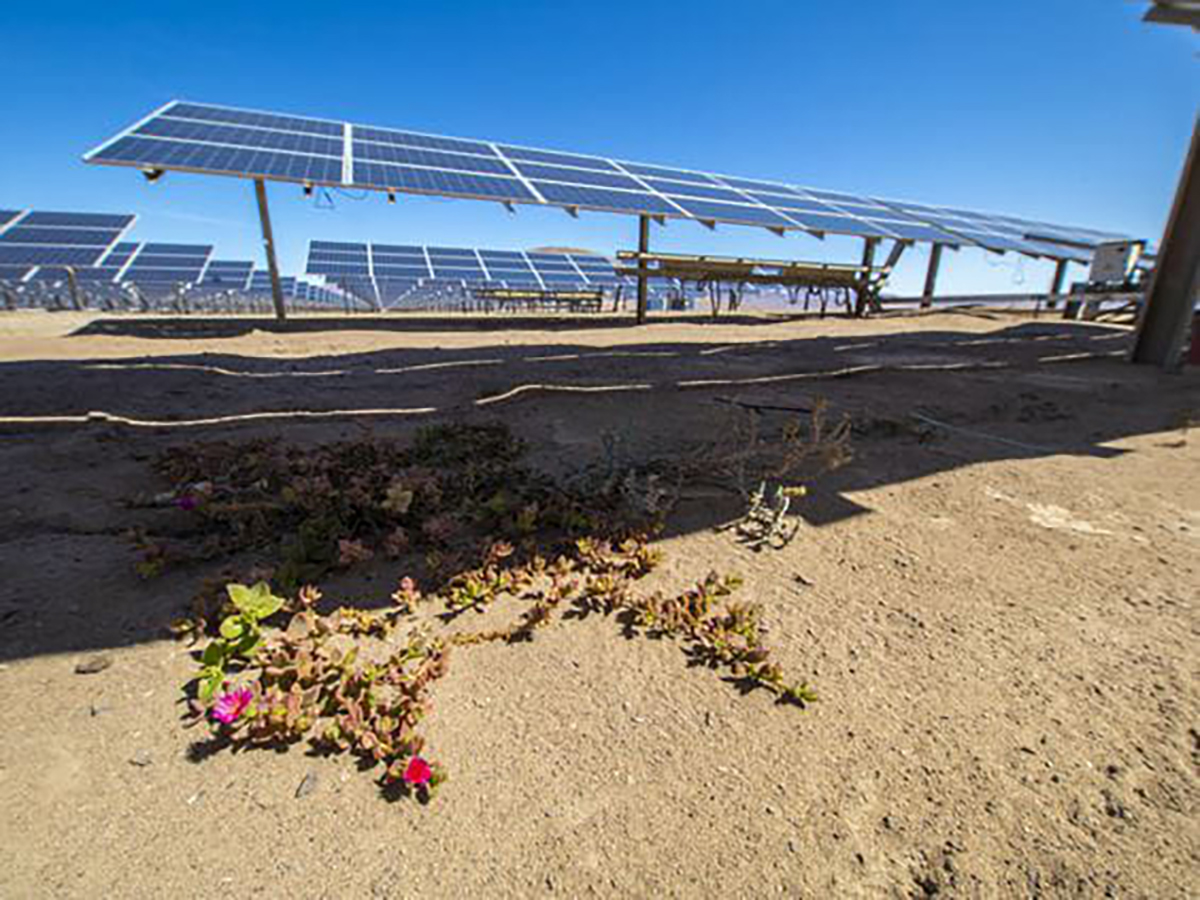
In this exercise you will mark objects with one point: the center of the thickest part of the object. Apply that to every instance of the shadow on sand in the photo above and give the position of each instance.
(923, 403)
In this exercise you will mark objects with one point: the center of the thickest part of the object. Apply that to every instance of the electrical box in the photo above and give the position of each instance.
(1115, 261)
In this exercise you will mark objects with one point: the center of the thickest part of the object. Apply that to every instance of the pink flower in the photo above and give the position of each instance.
(418, 772)
(187, 502)
(229, 707)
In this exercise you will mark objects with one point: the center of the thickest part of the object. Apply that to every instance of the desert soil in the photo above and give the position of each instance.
(995, 602)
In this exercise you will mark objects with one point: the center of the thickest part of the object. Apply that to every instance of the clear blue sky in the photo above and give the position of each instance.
(1067, 110)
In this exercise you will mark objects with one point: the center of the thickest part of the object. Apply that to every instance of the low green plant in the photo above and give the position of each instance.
(240, 634)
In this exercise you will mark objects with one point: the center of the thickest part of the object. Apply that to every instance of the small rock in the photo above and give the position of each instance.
(307, 786)
(93, 664)
(769, 809)
(97, 709)
(141, 759)
(791, 845)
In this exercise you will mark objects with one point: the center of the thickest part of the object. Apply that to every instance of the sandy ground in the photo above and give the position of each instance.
(999, 615)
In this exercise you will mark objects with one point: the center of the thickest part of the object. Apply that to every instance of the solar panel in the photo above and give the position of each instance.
(167, 265)
(218, 140)
(230, 274)
(14, 273)
(397, 274)
(40, 238)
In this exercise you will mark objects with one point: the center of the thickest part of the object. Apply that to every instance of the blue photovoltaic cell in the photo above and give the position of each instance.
(708, 192)
(730, 212)
(599, 198)
(256, 119)
(201, 250)
(45, 256)
(438, 159)
(256, 144)
(660, 172)
(451, 251)
(434, 182)
(254, 138)
(558, 159)
(578, 176)
(838, 224)
(749, 185)
(383, 271)
(7, 215)
(78, 220)
(26, 234)
(161, 276)
(405, 249)
(230, 273)
(14, 273)
(120, 253)
(316, 267)
(152, 152)
(408, 139)
(337, 245)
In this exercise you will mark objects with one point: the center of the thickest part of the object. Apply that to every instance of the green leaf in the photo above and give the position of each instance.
(214, 654)
(254, 602)
(210, 683)
(232, 628)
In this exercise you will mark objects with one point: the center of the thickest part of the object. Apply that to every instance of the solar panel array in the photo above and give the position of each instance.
(218, 140)
(390, 272)
(229, 274)
(32, 238)
(167, 266)
(337, 260)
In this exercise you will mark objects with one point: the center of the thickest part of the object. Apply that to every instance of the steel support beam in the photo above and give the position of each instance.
(1056, 284)
(1171, 300)
(931, 274)
(643, 285)
(73, 286)
(868, 260)
(264, 218)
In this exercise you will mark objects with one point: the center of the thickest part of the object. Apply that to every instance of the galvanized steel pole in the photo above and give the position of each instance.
(264, 218)
(643, 281)
(931, 274)
(1171, 300)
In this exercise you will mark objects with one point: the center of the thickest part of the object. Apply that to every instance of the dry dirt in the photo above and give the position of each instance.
(998, 611)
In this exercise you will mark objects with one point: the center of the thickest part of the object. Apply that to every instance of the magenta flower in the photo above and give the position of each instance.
(418, 772)
(229, 707)
(187, 502)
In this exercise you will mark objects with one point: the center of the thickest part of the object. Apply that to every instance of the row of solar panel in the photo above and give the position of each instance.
(340, 261)
(36, 245)
(239, 142)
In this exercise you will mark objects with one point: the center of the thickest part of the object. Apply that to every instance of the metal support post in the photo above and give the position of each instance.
(1171, 300)
(931, 274)
(643, 284)
(264, 218)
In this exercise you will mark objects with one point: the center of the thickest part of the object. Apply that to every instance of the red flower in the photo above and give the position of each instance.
(418, 772)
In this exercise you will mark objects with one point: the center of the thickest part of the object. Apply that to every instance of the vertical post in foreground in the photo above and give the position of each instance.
(1056, 286)
(643, 282)
(264, 218)
(1171, 300)
(931, 274)
(862, 301)
(73, 286)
